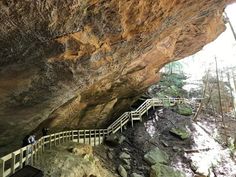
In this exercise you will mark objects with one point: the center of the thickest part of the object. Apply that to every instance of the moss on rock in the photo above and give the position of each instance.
(160, 170)
(180, 132)
(156, 156)
(184, 109)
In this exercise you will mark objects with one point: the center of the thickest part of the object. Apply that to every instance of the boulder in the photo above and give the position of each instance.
(124, 155)
(127, 167)
(126, 161)
(122, 171)
(176, 149)
(81, 149)
(156, 156)
(136, 175)
(115, 139)
(184, 110)
(182, 133)
(110, 155)
(160, 170)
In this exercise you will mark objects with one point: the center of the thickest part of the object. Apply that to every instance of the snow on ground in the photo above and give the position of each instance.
(213, 159)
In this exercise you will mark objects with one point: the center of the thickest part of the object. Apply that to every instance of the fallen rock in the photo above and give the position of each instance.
(182, 133)
(202, 172)
(127, 167)
(125, 149)
(135, 175)
(176, 149)
(115, 139)
(81, 149)
(124, 155)
(110, 155)
(122, 171)
(126, 161)
(184, 109)
(156, 156)
(121, 139)
(160, 170)
(164, 143)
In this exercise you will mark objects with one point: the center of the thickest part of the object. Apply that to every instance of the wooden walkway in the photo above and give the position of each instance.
(14, 161)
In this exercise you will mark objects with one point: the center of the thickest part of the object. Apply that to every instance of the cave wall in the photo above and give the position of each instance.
(81, 63)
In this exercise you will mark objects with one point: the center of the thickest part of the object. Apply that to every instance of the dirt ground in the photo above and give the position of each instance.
(154, 132)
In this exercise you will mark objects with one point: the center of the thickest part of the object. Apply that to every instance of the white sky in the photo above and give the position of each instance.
(223, 48)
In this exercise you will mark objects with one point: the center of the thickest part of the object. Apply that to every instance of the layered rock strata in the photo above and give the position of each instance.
(81, 63)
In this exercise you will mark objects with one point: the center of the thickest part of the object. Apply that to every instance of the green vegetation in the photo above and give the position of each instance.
(172, 85)
(180, 132)
(184, 109)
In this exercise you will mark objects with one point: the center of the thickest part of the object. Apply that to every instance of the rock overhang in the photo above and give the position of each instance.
(77, 64)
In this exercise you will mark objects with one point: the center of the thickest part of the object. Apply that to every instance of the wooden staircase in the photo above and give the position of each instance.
(14, 161)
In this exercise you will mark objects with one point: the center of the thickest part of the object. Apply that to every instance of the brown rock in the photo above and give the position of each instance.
(74, 64)
(81, 149)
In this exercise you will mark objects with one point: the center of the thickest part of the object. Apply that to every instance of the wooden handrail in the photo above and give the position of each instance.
(31, 153)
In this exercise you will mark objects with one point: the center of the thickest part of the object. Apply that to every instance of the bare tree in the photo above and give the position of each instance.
(231, 93)
(219, 94)
(203, 96)
(230, 24)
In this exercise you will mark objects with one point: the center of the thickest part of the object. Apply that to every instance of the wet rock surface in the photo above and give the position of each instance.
(160, 170)
(122, 171)
(156, 156)
(80, 64)
(197, 156)
(182, 133)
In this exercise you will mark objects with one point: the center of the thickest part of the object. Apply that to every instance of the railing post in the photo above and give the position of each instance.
(140, 117)
(95, 137)
(121, 126)
(72, 135)
(153, 107)
(64, 139)
(78, 136)
(89, 137)
(21, 158)
(132, 121)
(13, 161)
(36, 152)
(103, 135)
(50, 141)
(2, 167)
(32, 155)
(27, 151)
(59, 138)
(147, 106)
(99, 138)
(84, 136)
(40, 148)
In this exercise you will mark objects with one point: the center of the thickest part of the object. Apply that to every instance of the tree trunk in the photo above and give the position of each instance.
(219, 94)
(231, 93)
(230, 24)
(203, 96)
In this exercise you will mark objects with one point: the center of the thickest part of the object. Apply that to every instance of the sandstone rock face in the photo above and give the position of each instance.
(80, 63)
(59, 162)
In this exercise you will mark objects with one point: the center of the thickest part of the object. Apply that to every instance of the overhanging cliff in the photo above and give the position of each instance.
(74, 64)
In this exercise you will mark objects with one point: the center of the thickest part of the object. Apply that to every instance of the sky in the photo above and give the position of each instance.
(223, 48)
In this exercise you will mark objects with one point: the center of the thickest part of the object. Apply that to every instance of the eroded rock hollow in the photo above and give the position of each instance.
(81, 63)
